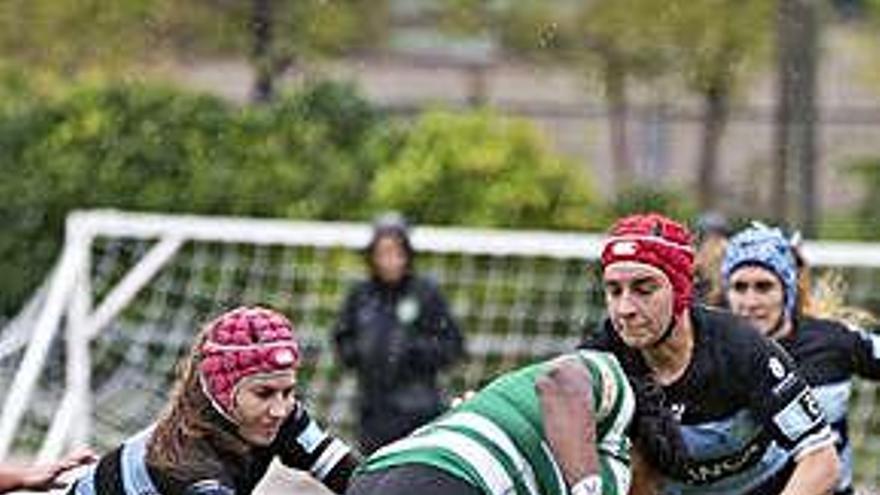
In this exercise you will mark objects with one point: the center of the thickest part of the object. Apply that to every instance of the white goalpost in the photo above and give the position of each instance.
(90, 359)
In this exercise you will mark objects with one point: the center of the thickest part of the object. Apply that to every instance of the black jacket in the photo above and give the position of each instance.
(397, 339)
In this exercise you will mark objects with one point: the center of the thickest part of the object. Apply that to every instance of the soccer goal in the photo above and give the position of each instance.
(91, 358)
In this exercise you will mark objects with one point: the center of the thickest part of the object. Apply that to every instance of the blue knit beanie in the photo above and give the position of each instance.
(768, 248)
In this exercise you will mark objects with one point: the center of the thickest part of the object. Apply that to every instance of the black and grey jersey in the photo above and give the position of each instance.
(300, 444)
(746, 414)
(828, 355)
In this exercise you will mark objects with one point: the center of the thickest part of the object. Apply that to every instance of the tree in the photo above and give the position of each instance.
(707, 44)
(290, 32)
(72, 36)
(717, 42)
(798, 31)
(615, 39)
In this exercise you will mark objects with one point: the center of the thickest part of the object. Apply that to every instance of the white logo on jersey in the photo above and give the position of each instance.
(677, 410)
(408, 310)
(777, 368)
(624, 248)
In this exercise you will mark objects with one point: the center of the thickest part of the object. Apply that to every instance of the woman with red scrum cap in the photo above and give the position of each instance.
(736, 417)
(233, 411)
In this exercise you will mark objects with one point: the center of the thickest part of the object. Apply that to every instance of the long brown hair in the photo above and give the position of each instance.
(826, 299)
(707, 269)
(189, 418)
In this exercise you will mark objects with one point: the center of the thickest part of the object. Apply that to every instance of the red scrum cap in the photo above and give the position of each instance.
(240, 343)
(655, 240)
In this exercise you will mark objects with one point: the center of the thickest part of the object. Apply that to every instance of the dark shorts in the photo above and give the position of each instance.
(410, 479)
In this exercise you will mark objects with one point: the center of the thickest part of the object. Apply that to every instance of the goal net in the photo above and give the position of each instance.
(91, 358)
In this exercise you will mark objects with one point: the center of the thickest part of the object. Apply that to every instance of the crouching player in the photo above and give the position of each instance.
(556, 428)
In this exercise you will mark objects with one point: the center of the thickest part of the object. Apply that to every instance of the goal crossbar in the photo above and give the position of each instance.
(68, 296)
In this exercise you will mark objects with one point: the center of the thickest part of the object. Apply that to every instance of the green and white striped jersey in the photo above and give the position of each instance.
(496, 440)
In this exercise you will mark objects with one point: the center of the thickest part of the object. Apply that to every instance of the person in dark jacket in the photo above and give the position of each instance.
(396, 332)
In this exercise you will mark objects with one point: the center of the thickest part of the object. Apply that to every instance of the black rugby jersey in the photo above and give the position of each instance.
(300, 444)
(745, 412)
(828, 354)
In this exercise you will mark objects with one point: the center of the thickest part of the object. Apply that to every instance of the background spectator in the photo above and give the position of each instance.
(396, 332)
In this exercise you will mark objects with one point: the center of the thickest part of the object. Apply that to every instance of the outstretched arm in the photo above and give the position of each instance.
(816, 473)
(565, 395)
(42, 476)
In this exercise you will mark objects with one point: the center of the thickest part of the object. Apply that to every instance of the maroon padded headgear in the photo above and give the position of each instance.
(243, 342)
(661, 242)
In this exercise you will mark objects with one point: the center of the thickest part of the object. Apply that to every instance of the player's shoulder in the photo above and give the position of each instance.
(423, 284)
(720, 325)
(731, 336)
(821, 327)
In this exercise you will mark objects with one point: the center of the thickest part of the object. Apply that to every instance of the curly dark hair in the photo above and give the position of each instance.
(655, 431)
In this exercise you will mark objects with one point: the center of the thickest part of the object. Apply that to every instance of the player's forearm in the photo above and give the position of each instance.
(816, 473)
(567, 409)
(10, 479)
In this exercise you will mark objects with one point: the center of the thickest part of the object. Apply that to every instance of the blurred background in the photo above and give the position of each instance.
(555, 114)
(509, 114)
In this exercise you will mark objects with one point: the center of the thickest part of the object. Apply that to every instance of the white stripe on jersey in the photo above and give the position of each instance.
(328, 459)
(823, 438)
(610, 370)
(311, 437)
(556, 472)
(484, 463)
(621, 473)
(487, 428)
(834, 399)
(875, 343)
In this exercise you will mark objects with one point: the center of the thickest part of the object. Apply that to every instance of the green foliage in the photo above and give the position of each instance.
(320, 153)
(70, 36)
(145, 148)
(305, 29)
(717, 41)
(345, 142)
(481, 169)
(644, 198)
(67, 35)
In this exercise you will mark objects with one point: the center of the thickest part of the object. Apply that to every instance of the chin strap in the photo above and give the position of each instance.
(777, 329)
(666, 334)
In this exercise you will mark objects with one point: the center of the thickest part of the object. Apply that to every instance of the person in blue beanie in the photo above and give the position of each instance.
(760, 276)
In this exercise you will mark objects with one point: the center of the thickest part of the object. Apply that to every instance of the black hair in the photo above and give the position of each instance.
(656, 431)
(391, 224)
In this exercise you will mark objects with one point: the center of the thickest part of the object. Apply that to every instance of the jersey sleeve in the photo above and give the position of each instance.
(864, 349)
(612, 396)
(783, 400)
(614, 404)
(304, 445)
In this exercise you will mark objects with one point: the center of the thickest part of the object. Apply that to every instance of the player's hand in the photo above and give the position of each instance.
(565, 393)
(46, 476)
